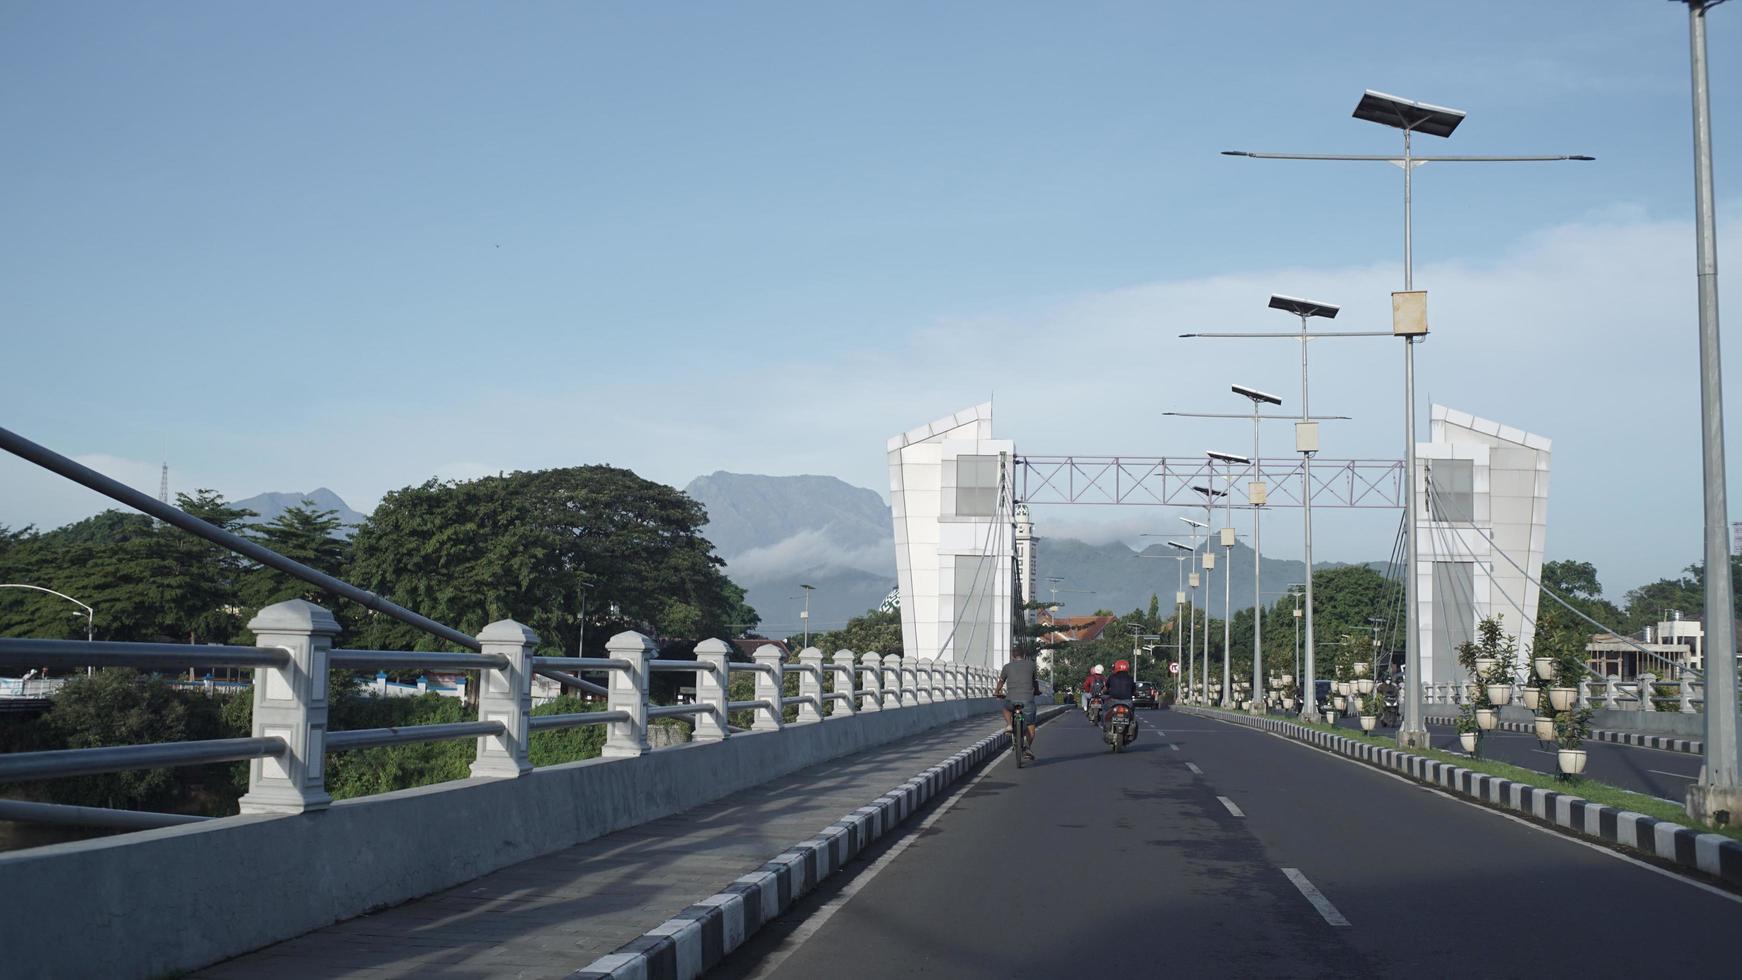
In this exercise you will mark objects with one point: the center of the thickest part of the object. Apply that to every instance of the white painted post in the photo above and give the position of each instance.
(506, 697)
(871, 691)
(290, 702)
(953, 681)
(628, 693)
(711, 690)
(892, 670)
(1687, 691)
(810, 684)
(1647, 691)
(768, 688)
(922, 673)
(845, 675)
(1612, 692)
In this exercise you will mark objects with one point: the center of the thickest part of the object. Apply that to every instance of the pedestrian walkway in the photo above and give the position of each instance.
(555, 914)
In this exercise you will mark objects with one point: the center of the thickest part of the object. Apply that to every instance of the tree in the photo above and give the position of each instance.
(1576, 583)
(520, 546)
(308, 536)
(874, 631)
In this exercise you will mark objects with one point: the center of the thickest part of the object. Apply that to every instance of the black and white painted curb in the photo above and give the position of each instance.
(1712, 854)
(1669, 743)
(699, 937)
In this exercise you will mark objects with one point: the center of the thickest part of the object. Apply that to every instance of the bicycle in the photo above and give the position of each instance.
(1018, 732)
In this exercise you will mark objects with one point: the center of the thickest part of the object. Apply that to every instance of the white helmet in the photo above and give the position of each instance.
(1100, 669)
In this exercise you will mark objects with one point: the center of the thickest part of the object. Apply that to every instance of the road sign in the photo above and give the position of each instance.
(1173, 668)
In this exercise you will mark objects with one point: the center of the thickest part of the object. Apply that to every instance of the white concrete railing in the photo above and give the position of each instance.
(1648, 692)
(290, 738)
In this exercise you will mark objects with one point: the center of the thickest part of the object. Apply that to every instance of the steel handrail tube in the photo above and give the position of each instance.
(748, 705)
(572, 681)
(659, 665)
(57, 763)
(582, 663)
(675, 710)
(362, 738)
(54, 462)
(414, 660)
(763, 668)
(66, 815)
(539, 723)
(25, 652)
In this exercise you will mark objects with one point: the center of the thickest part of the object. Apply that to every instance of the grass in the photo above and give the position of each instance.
(1588, 789)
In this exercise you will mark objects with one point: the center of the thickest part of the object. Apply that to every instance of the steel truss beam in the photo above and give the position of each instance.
(1161, 481)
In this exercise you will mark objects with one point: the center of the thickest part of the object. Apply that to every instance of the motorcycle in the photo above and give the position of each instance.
(1121, 726)
(1095, 701)
(1389, 714)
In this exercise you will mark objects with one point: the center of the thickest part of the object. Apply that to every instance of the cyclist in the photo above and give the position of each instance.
(1121, 688)
(1017, 685)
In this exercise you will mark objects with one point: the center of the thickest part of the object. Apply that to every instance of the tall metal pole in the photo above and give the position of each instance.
(1258, 688)
(1178, 634)
(1228, 591)
(1309, 690)
(1717, 797)
(1414, 732)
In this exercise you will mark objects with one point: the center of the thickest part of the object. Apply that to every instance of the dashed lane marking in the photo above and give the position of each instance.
(1313, 895)
(1193, 767)
(1231, 807)
(1173, 745)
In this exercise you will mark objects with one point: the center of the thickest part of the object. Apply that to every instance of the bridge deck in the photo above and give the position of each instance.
(553, 915)
(1238, 854)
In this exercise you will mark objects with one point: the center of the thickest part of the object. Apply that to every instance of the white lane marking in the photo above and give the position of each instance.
(1502, 814)
(1677, 775)
(816, 920)
(1231, 807)
(1173, 745)
(1194, 768)
(1313, 895)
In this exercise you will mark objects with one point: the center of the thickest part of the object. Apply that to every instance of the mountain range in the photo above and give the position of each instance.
(269, 505)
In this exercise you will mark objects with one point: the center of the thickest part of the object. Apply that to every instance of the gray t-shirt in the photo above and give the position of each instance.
(1018, 679)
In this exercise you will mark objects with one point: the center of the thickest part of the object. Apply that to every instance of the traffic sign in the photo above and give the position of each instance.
(1173, 668)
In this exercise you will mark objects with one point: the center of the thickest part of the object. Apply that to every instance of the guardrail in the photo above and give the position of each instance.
(1648, 692)
(290, 740)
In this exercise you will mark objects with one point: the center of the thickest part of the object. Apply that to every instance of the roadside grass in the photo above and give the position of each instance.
(1587, 789)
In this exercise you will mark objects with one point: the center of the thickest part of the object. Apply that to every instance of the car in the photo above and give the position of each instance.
(1147, 696)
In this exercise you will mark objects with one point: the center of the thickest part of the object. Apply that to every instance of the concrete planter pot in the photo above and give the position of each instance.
(1369, 722)
(1532, 697)
(1474, 689)
(1487, 719)
(1563, 698)
(1364, 685)
(1360, 668)
(1572, 761)
(1545, 729)
(1485, 666)
(1288, 704)
(1499, 694)
(1468, 741)
(1544, 667)
(1287, 679)
(1340, 702)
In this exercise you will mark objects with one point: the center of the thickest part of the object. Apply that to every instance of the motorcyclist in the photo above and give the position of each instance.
(1120, 688)
(1094, 684)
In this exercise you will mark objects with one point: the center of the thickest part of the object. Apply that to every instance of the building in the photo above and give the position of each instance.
(1617, 656)
(1482, 515)
(1025, 575)
(949, 494)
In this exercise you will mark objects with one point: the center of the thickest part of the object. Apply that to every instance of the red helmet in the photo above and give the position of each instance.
(1119, 665)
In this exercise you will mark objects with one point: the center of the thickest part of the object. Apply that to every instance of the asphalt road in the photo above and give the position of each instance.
(1133, 865)
(1654, 772)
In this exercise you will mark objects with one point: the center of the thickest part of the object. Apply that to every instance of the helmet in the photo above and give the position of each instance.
(1099, 669)
(1122, 665)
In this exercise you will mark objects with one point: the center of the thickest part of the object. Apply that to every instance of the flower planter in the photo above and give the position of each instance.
(1532, 697)
(1287, 679)
(1500, 694)
(1330, 717)
(1369, 722)
(1474, 689)
(1572, 761)
(1360, 668)
(1545, 729)
(1468, 741)
(1288, 704)
(1563, 698)
(1485, 666)
(1340, 702)
(1364, 685)
(1487, 719)
(1544, 667)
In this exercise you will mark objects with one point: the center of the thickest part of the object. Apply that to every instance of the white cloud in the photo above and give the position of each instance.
(810, 550)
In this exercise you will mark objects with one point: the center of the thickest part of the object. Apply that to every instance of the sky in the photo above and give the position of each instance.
(363, 245)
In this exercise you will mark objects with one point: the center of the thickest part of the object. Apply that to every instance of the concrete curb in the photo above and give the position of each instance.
(1711, 854)
(1690, 746)
(700, 936)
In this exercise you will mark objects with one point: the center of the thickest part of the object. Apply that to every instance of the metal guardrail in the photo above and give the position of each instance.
(362, 738)
(56, 763)
(69, 654)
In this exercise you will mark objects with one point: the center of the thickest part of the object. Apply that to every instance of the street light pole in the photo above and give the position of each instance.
(90, 614)
(1717, 797)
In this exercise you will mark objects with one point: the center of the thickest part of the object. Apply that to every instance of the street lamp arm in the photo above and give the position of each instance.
(16, 585)
(1249, 416)
(1390, 158)
(1295, 335)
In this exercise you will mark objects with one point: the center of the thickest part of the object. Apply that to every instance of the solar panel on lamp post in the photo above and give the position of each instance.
(1716, 798)
(1255, 495)
(1431, 120)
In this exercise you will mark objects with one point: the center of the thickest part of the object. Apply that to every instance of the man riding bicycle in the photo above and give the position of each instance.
(1017, 685)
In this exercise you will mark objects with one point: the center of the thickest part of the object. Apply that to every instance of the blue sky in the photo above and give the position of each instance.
(361, 245)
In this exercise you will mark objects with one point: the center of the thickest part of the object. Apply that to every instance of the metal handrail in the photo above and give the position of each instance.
(582, 663)
(26, 652)
(362, 738)
(415, 660)
(764, 668)
(539, 723)
(800, 699)
(747, 705)
(685, 665)
(15, 766)
(54, 462)
(67, 815)
(675, 710)
(572, 681)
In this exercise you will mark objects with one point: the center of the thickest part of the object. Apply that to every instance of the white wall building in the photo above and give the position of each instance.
(1476, 476)
(949, 491)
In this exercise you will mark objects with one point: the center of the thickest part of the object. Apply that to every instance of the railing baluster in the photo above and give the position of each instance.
(625, 739)
(770, 688)
(505, 697)
(810, 684)
(846, 673)
(871, 692)
(290, 703)
(712, 689)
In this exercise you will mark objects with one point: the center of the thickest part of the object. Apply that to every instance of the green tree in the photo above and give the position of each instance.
(306, 535)
(874, 631)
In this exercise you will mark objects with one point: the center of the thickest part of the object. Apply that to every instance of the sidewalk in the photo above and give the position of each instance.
(553, 915)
